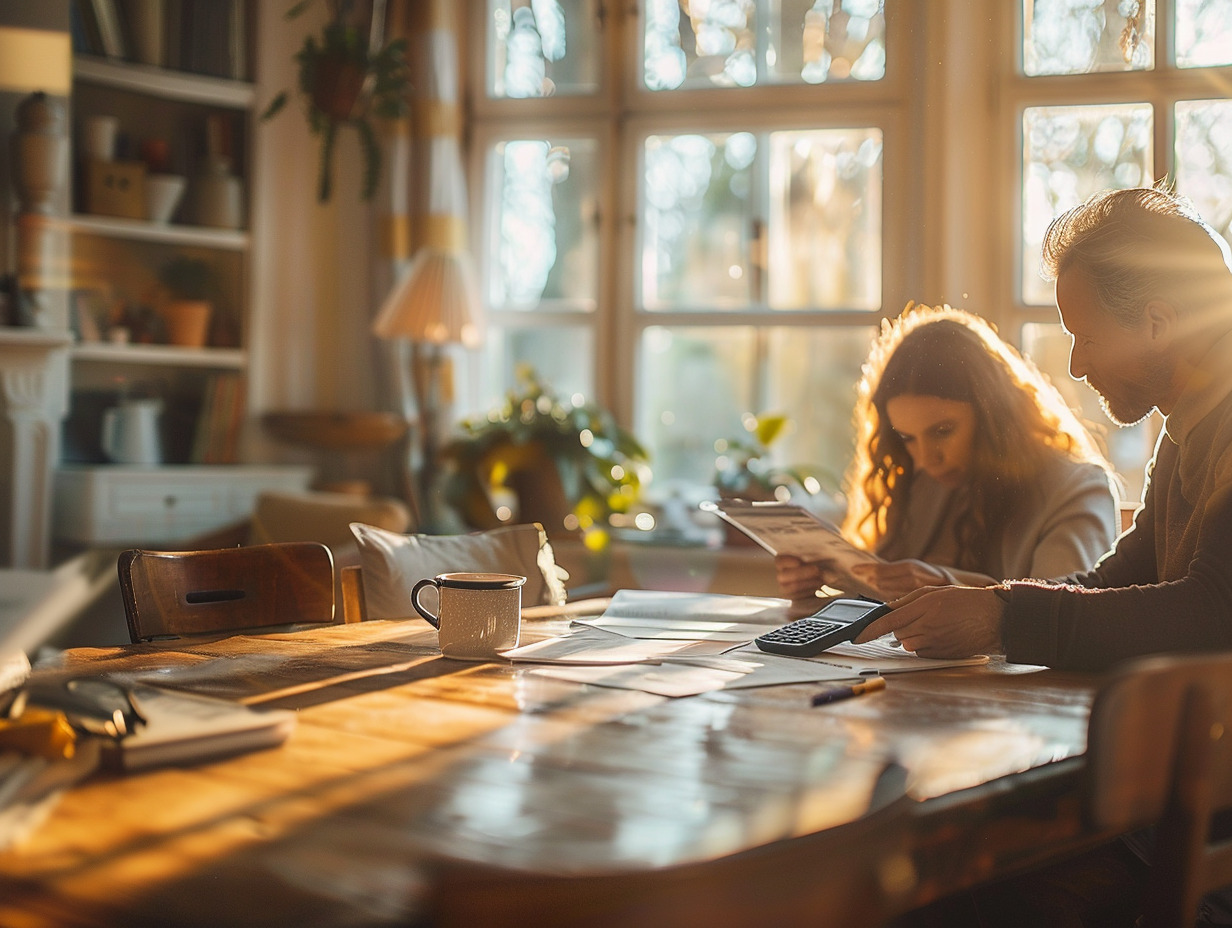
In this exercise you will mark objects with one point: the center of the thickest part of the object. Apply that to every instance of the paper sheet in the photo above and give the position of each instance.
(877, 657)
(677, 678)
(655, 614)
(586, 645)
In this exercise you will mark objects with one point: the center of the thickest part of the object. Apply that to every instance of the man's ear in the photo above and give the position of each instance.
(1161, 319)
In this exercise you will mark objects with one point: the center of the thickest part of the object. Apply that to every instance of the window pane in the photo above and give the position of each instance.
(542, 238)
(702, 246)
(1084, 36)
(1204, 159)
(559, 355)
(825, 219)
(542, 47)
(1070, 153)
(741, 43)
(1129, 449)
(1203, 33)
(694, 385)
(697, 221)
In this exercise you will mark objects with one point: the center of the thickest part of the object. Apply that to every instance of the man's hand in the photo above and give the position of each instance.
(898, 578)
(955, 621)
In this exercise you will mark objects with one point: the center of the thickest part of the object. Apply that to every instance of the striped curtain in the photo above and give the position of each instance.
(433, 299)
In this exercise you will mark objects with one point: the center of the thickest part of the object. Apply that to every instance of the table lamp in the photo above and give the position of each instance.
(436, 302)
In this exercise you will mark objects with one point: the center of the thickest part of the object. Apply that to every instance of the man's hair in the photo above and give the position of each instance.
(1138, 245)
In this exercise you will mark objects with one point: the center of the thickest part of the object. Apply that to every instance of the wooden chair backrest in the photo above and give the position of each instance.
(1159, 751)
(178, 593)
(354, 606)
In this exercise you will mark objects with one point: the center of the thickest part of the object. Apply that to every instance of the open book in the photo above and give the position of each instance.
(182, 728)
(783, 528)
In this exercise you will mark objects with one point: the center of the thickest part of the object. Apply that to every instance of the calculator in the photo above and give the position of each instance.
(838, 621)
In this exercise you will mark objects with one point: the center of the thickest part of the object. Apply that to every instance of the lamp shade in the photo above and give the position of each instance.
(35, 59)
(436, 300)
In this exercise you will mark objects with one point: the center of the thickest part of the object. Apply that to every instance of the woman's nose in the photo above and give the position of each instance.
(931, 454)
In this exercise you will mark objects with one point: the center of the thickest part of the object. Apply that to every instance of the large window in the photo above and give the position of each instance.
(702, 236)
(693, 212)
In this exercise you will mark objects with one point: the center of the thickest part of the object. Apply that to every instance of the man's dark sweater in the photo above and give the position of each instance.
(1167, 584)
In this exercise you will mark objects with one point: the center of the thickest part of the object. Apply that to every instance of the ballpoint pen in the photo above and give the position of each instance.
(847, 690)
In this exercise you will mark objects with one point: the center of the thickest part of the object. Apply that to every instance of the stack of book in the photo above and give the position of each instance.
(202, 36)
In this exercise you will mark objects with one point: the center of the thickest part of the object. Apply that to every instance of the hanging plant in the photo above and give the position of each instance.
(348, 78)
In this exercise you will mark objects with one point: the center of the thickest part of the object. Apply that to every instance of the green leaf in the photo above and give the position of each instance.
(372, 157)
(327, 159)
(275, 105)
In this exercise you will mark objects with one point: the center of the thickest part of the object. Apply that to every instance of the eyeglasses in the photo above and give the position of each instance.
(96, 705)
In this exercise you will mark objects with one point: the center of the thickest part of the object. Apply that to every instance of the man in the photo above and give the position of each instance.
(1144, 288)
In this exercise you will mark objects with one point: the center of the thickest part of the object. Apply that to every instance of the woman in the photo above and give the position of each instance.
(970, 468)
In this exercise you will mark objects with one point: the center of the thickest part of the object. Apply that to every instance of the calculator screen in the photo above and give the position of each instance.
(847, 612)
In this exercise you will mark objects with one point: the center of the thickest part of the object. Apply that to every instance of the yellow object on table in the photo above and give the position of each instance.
(41, 732)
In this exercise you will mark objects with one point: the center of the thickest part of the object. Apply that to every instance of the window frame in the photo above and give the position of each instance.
(624, 113)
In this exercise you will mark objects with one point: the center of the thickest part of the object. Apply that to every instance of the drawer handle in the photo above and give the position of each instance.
(169, 501)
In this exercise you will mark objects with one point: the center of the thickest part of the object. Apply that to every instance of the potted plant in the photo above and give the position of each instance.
(744, 469)
(348, 77)
(568, 463)
(190, 286)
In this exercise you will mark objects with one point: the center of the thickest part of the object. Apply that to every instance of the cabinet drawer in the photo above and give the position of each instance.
(131, 499)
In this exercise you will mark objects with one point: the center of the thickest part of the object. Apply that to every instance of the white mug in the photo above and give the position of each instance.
(480, 614)
(99, 138)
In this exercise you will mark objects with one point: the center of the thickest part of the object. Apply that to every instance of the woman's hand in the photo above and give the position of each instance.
(798, 580)
(898, 578)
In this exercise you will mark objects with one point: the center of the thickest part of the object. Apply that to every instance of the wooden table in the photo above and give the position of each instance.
(402, 760)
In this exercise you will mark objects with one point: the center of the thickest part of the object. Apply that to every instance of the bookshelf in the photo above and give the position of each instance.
(172, 77)
(168, 76)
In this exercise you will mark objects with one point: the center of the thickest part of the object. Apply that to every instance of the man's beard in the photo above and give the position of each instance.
(1139, 398)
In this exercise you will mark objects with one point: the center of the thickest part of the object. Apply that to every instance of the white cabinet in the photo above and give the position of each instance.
(120, 505)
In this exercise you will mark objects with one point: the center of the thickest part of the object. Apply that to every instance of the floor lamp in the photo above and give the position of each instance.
(435, 303)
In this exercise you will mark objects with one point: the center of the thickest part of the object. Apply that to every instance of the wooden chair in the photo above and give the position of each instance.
(853, 874)
(169, 594)
(1159, 752)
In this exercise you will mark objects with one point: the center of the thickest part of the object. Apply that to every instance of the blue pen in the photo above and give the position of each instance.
(846, 691)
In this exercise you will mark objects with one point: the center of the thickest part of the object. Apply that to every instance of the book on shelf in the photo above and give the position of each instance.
(218, 424)
(142, 21)
(107, 15)
(84, 25)
(173, 29)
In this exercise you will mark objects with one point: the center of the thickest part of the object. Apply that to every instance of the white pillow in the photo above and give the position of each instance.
(392, 563)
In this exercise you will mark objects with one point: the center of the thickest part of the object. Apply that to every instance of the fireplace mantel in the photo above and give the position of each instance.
(33, 402)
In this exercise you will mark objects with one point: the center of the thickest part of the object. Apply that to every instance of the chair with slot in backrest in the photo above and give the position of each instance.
(179, 593)
(1159, 752)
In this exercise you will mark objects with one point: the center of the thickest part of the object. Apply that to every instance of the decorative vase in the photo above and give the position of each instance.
(218, 196)
(40, 152)
(188, 322)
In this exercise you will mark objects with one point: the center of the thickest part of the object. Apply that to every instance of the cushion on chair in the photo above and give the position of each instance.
(322, 517)
(392, 563)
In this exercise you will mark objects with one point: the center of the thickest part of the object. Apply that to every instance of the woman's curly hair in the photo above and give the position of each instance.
(1020, 419)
